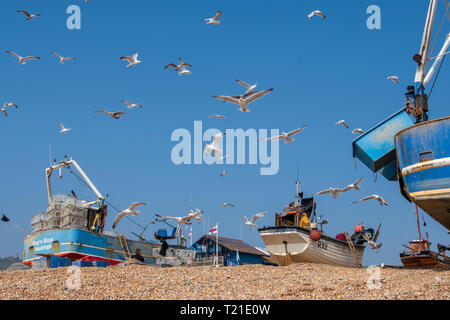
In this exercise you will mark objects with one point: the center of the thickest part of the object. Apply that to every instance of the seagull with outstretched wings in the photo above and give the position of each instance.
(251, 223)
(380, 199)
(129, 211)
(288, 136)
(244, 100)
(22, 60)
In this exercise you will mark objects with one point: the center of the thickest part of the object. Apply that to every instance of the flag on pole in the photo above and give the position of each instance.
(4, 218)
(213, 230)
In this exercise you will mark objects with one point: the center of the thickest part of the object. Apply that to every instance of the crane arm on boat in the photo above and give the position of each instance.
(67, 164)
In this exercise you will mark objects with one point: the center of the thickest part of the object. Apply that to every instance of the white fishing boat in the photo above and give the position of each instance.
(295, 238)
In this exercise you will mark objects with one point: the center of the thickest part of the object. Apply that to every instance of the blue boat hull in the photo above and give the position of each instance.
(423, 159)
(78, 244)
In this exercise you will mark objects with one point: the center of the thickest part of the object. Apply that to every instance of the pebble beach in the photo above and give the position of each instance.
(247, 282)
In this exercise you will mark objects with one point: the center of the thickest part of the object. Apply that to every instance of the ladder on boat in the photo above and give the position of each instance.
(124, 245)
(352, 249)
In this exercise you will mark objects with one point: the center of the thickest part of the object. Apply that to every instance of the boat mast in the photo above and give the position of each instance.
(422, 58)
(418, 225)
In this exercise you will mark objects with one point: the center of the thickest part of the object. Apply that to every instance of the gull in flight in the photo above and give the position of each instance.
(251, 223)
(192, 199)
(288, 136)
(342, 122)
(181, 67)
(354, 186)
(214, 146)
(224, 173)
(128, 211)
(217, 116)
(187, 219)
(9, 104)
(358, 130)
(29, 16)
(250, 88)
(372, 242)
(22, 59)
(393, 78)
(63, 130)
(133, 60)
(196, 215)
(4, 111)
(114, 115)
(244, 100)
(316, 13)
(380, 200)
(214, 20)
(62, 59)
(227, 204)
(335, 192)
(132, 105)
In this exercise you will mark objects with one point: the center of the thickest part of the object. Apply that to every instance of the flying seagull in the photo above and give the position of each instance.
(192, 199)
(224, 173)
(22, 59)
(245, 100)
(214, 146)
(227, 204)
(288, 136)
(250, 88)
(181, 67)
(217, 116)
(29, 16)
(132, 105)
(354, 186)
(186, 219)
(342, 122)
(393, 78)
(9, 104)
(335, 192)
(4, 111)
(214, 20)
(62, 59)
(133, 60)
(380, 200)
(128, 211)
(114, 115)
(251, 223)
(373, 244)
(63, 130)
(317, 13)
(358, 130)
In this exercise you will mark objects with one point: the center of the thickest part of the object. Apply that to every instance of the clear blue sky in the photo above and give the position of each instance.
(322, 71)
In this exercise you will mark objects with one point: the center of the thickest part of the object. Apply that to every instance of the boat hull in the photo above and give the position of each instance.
(296, 242)
(425, 260)
(77, 244)
(423, 156)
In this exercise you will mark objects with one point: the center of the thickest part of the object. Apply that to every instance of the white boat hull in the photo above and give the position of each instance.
(297, 243)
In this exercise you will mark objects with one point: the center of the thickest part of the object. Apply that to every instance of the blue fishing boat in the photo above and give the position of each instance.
(74, 229)
(423, 157)
(417, 155)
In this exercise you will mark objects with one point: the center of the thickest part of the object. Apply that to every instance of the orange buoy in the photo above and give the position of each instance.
(314, 235)
(360, 228)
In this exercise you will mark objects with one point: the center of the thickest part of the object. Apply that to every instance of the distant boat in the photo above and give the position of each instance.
(291, 241)
(420, 256)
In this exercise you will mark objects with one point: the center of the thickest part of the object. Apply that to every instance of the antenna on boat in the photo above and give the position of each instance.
(297, 182)
(50, 153)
